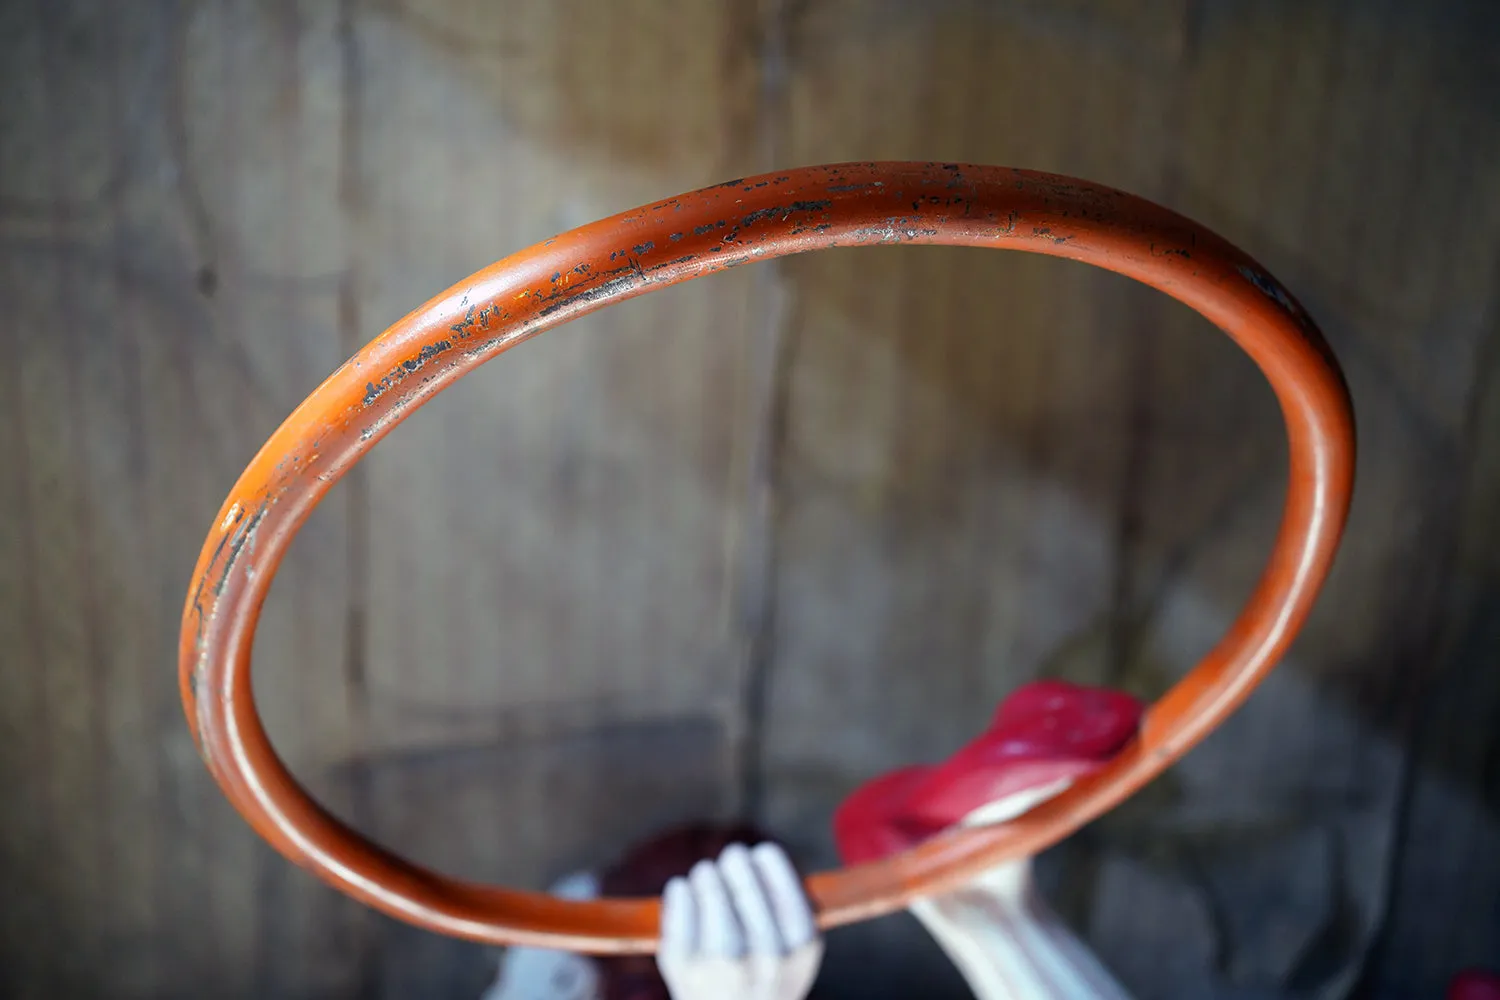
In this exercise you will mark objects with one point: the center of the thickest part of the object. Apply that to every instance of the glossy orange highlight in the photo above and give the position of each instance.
(754, 218)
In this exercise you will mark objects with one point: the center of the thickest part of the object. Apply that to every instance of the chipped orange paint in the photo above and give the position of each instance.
(754, 218)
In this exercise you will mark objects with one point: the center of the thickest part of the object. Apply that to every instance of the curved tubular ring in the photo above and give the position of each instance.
(754, 218)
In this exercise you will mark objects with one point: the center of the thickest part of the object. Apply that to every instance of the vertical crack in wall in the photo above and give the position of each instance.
(768, 380)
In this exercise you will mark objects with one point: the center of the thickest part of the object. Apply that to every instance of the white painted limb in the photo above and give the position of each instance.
(1002, 936)
(739, 929)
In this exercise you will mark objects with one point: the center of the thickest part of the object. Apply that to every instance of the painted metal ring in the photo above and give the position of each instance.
(754, 218)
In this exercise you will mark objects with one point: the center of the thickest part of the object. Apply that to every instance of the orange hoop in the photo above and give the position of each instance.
(755, 218)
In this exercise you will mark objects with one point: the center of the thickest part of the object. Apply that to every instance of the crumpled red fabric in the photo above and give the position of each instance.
(1042, 733)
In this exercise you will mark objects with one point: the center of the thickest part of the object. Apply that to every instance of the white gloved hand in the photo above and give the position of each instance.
(739, 929)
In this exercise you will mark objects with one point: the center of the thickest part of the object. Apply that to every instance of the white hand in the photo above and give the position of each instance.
(739, 929)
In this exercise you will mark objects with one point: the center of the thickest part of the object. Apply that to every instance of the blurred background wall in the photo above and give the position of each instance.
(741, 544)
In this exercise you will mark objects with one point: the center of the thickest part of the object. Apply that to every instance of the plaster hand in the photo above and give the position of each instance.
(739, 929)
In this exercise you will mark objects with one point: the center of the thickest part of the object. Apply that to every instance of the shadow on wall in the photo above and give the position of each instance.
(982, 469)
(986, 470)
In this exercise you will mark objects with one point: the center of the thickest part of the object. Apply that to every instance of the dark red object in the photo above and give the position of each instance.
(1044, 732)
(646, 868)
(1474, 984)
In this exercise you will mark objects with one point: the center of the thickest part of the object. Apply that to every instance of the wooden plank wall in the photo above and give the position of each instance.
(745, 542)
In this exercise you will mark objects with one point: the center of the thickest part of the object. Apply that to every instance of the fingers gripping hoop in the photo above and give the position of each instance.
(755, 218)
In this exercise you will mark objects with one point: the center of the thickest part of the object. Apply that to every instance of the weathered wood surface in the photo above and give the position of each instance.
(756, 538)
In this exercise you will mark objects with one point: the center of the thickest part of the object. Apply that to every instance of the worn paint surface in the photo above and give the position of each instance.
(739, 221)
